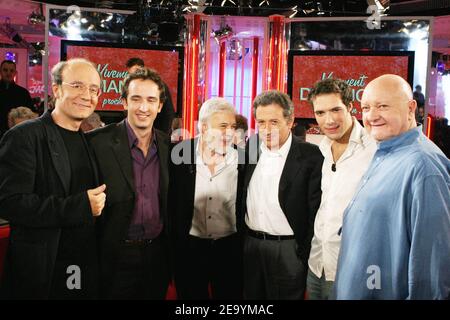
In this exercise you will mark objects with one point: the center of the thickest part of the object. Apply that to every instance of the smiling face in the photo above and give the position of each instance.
(143, 104)
(333, 117)
(273, 127)
(388, 108)
(71, 104)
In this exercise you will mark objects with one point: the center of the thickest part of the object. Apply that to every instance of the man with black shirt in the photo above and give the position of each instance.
(50, 194)
(418, 96)
(11, 94)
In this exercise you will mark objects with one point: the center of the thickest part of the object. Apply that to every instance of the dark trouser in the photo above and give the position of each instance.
(142, 271)
(318, 288)
(272, 270)
(204, 262)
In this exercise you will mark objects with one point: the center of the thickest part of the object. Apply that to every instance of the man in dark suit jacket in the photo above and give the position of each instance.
(203, 187)
(280, 197)
(11, 94)
(50, 194)
(133, 158)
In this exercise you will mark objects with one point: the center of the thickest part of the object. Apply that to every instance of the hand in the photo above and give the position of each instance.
(97, 198)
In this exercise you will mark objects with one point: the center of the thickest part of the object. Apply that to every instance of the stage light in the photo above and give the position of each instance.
(35, 18)
(223, 33)
(192, 6)
(225, 1)
(418, 34)
(11, 56)
(440, 67)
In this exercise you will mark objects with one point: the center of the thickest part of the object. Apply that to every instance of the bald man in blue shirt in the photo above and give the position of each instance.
(396, 230)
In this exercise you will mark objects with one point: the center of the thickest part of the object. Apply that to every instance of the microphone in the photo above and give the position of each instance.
(333, 167)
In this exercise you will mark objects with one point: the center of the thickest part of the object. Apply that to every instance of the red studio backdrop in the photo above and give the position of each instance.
(110, 62)
(305, 68)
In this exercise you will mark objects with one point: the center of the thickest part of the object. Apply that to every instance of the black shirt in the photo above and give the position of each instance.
(82, 177)
(77, 244)
(420, 98)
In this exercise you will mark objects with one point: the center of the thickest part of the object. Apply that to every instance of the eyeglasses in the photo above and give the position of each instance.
(80, 88)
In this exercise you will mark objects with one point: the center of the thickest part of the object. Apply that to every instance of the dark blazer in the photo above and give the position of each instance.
(113, 154)
(299, 191)
(34, 197)
(182, 187)
(11, 96)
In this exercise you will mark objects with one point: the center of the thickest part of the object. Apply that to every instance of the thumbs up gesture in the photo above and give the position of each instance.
(97, 198)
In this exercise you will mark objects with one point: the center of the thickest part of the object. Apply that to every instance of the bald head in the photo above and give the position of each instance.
(391, 83)
(60, 67)
(388, 107)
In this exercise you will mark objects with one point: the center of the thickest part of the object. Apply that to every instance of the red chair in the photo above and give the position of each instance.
(171, 292)
(4, 235)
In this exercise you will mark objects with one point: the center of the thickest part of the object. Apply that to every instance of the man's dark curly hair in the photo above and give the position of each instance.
(330, 85)
(145, 74)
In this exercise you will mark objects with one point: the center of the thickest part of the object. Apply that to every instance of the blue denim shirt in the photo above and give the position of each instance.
(396, 230)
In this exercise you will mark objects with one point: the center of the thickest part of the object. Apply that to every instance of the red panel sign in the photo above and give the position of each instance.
(35, 82)
(111, 65)
(357, 71)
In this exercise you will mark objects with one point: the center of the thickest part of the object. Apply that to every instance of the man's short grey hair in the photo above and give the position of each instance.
(274, 97)
(212, 106)
(58, 69)
(20, 113)
(94, 120)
